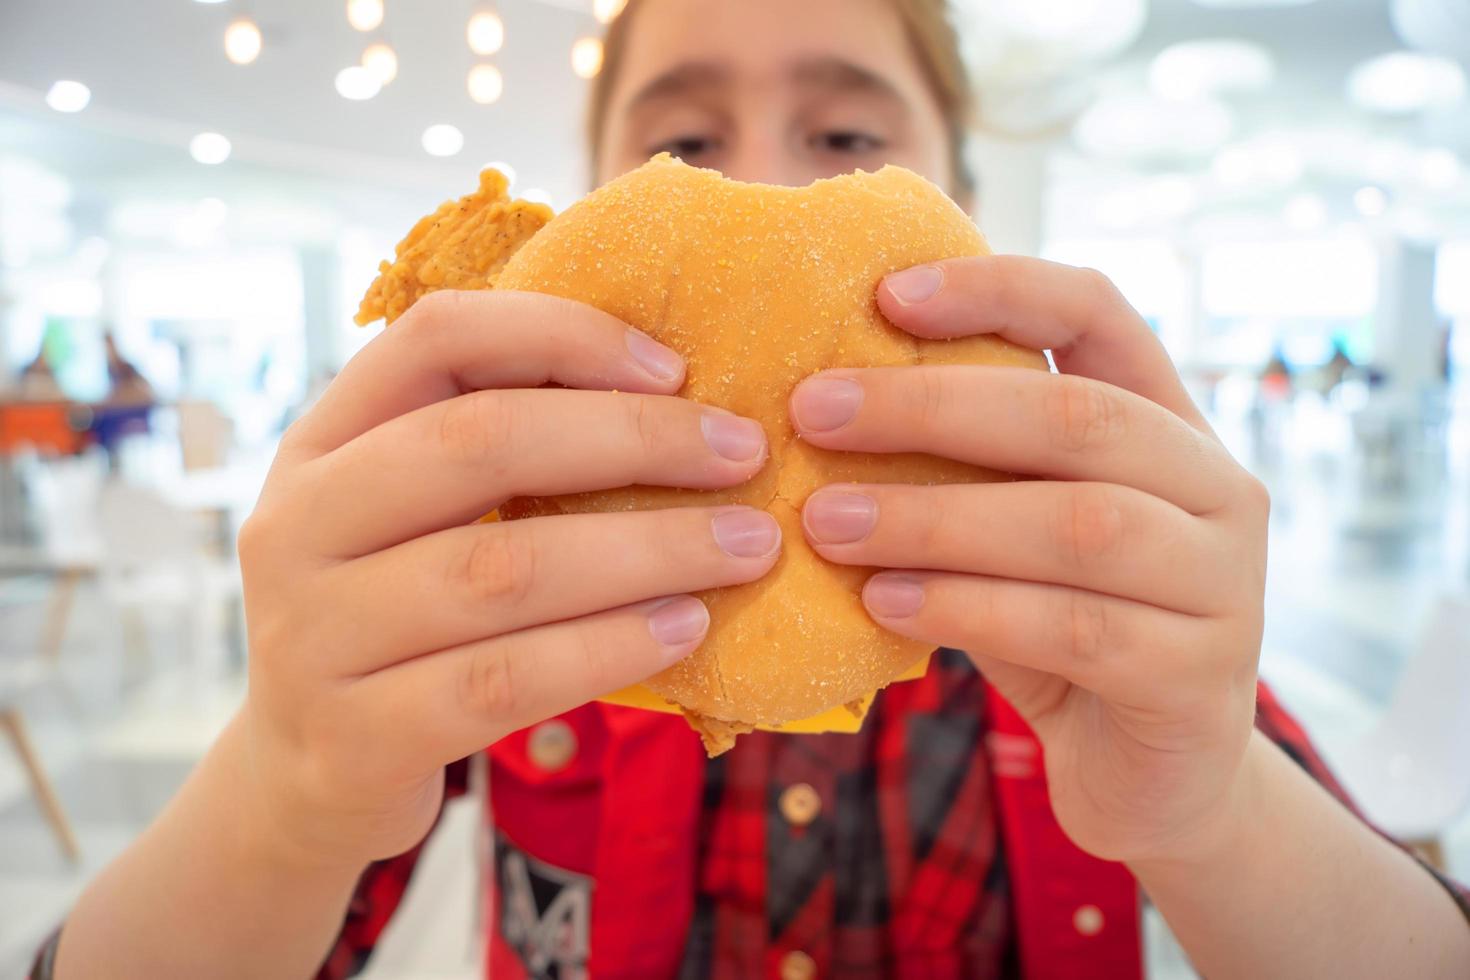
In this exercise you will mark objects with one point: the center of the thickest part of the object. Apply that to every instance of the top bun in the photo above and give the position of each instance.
(758, 287)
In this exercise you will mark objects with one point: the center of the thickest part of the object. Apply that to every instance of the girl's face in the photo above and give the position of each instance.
(776, 91)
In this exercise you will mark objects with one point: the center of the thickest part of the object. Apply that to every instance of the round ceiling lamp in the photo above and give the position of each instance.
(1142, 128)
(1436, 26)
(381, 61)
(606, 11)
(1404, 82)
(242, 41)
(356, 84)
(210, 149)
(443, 140)
(365, 15)
(1015, 43)
(587, 57)
(1195, 69)
(485, 84)
(68, 96)
(485, 32)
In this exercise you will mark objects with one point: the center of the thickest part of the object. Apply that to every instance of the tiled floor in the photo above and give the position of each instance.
(1355, 567)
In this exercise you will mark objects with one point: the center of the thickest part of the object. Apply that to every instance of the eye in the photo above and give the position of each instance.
(846, 141)
(686, 147)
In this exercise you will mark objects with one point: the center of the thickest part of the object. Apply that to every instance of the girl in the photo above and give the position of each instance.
(988, 822)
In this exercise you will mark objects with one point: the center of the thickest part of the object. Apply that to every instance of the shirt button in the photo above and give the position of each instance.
(800, 804)
(552, 745)
(1088, 920)
(798, 966)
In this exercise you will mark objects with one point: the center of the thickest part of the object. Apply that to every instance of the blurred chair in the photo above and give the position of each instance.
(205, 435)
(154, 557)
(13, 724)
(1411, 774)
(62, 502)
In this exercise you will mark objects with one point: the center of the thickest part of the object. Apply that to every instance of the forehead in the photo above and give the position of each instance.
(760, 41)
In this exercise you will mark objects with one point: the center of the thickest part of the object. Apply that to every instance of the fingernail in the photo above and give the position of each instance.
(733, 437)
(892, 597)
(824, 404)
(658, 360)
(915, 285)
(679, 622)
(839, 517)
(747, 533)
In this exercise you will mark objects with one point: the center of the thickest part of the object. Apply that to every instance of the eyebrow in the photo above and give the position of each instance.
(828, 73)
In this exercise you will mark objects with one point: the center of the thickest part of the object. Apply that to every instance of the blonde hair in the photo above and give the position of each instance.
(932, 37)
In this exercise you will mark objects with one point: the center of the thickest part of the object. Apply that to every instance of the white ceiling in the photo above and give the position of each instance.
(158, 74)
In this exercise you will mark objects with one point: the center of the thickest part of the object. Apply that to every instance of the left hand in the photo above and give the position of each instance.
(1117, 602)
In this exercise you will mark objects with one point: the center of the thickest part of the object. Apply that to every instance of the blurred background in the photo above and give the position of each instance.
(194, 195)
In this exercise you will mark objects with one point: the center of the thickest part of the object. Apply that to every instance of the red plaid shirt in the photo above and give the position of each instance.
(909, 851)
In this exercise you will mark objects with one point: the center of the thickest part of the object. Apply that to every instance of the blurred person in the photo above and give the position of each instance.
(126, 384)
(37, 380)
(990, 823)
(1336, 370)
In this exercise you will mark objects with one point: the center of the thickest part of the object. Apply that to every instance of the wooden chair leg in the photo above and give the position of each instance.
(58, 611)
(14, 725)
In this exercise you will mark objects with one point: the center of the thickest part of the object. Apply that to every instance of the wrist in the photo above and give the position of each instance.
(1225, 832)
(271, 840)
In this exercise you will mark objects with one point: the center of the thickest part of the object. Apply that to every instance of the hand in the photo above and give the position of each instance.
(391, 635)
(1117, 601)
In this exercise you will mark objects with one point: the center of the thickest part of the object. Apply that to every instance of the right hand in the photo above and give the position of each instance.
(391, 635)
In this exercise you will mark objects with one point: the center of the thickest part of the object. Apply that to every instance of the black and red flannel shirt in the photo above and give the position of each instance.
(906, 868)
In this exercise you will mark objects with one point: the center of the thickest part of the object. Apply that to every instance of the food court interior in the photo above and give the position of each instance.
(195, 193)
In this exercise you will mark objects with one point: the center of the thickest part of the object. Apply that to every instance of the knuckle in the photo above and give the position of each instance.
(1089, 524)
(931, 398)
(1100, 287)
(1085, 630)
(432, 311)
(473, 427)
(1256, 495)
(643, 426)
(490, 689)
(498, 567)
(1081, 416)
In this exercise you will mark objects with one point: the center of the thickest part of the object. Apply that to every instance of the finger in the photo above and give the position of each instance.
(484, 580)
(450, 343)
(1095, 536)
(447, 464)
(1126, 652)
(452, 704)
(1045, 425)
(1076, 313)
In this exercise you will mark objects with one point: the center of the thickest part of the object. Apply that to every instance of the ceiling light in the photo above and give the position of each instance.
(381, 62)
(1258, 162)
(1370, 202)
(1403, 82)
(1438, 169)
(365, 15)
(209, 148)
(485, 33)
(1140, 126)
(485, 84)
(536, 195)
(587, 57)
(1194, 69)
(242, 41)
(1305, 212)
(357, 83)
(68, 96)
(443, 140)
(606, 11)
(506, 170)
